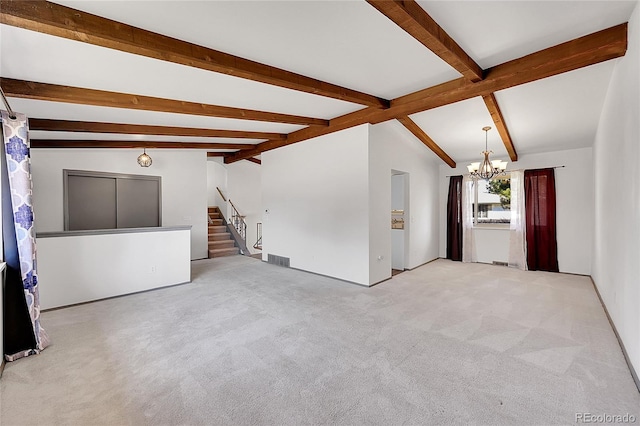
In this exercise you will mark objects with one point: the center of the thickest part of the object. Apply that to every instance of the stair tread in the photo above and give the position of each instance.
(225, 250)
(222, 243)
(219, 238)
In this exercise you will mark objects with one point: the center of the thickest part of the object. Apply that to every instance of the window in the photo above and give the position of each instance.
(99, 200)
(492, 204)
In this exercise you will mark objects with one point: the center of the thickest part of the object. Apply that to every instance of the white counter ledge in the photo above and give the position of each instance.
(112, 231)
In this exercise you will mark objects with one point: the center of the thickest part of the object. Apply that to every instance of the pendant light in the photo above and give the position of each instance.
(144, 159)
(487, 168)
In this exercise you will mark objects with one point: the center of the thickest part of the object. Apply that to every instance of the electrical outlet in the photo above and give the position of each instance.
(153, 269)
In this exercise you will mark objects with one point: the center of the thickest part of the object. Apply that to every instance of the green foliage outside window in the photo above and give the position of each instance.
(502, 188)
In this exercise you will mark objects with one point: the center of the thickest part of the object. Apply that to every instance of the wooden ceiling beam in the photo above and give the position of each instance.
(237, 156)
(230, 154)
(494, 109)
(256, 150)
(335, 124)
(588, 50)
(425, 139)
(76, 95)
(412, 18)
(56, 143)
(61, 21)
(140, 129)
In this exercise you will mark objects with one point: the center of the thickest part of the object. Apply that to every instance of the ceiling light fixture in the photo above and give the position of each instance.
(143, 159)
(487, 169)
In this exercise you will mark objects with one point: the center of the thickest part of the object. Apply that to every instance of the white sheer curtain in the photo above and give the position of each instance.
(517, 229)
(468, 239)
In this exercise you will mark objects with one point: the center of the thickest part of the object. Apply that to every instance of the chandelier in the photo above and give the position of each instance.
(144, 159)
(487, 168)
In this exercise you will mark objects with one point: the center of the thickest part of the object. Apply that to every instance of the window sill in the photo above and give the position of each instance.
(492, 227)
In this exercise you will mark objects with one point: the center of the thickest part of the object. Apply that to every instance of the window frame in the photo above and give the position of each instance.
(475, 206)
(66, 173)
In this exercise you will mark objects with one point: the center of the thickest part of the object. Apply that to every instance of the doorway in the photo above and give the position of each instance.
(400, 221)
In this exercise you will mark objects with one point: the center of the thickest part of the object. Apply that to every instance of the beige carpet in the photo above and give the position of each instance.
(251, 343)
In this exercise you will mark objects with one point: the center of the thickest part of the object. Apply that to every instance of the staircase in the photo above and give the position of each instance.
(220, 242)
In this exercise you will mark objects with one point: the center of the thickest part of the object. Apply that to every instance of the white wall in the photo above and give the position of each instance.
(380, 240)
(78, 269)
(329, 202)
(184, 185)
(392, 147)
(315, 197)
(245, 190)
(491, 244)
(616, 248)
(216, 178)
(574, 209)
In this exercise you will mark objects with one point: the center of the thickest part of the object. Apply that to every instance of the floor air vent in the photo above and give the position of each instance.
(278, 260)
(496, 262)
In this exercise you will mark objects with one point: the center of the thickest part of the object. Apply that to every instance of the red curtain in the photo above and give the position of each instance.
(454, 219)
(540, 212)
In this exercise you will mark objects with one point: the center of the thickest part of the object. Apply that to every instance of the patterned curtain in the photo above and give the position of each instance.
(23, 335)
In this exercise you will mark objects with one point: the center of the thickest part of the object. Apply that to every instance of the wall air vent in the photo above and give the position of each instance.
(498, 263)
(278, 260)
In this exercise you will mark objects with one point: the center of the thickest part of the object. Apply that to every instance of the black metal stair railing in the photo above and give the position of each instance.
(258, 244)
(238, 222)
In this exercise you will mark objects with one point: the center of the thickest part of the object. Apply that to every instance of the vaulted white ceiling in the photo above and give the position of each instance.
(347, 43)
